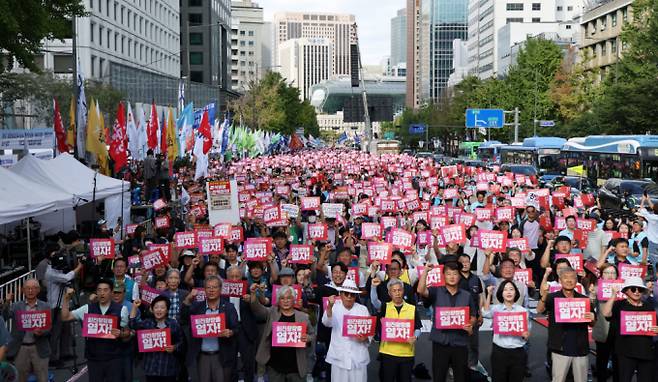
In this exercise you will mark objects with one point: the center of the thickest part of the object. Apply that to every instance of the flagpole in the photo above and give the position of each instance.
(75, 84)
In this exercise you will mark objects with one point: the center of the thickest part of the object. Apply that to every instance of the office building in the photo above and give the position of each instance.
(487, 17)
(305, 62)
(600, 34)
(249, 47)
(206, 43)
(337, 29)
(399, 38)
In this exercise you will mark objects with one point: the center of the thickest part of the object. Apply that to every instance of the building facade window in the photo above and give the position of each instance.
(196, 58)
(613, 19)
(536, 6)
(514, 6)
(196, 76)
(195, 18)
(196, 38)
(514, 20)
(536, 20)
(196, 3)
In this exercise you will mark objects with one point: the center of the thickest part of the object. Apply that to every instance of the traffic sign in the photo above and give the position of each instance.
(487, 118)
(546, 123)
(417, 128)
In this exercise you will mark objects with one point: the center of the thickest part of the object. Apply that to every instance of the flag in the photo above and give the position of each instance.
(184, 196)
(204, 130)
(342, 139)
(117, 143)
(70, 132)
(82, 114)
(142, 126)
(181, 96)
(133, 135)
(101, 156)
(185, 131)
(172, 146)
(162, 134)
(60, 134)
(152, 128)
(576, 170)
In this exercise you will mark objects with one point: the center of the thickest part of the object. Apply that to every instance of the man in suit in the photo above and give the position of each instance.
(248, 333)
(215, 357)
(29, 349)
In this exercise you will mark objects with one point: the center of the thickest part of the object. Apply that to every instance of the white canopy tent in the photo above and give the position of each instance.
(65, 174)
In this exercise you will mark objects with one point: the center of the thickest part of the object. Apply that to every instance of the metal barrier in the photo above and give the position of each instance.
(14, 286)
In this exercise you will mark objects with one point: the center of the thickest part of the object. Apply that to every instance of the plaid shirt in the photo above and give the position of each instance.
(161, 364)
(175, 300)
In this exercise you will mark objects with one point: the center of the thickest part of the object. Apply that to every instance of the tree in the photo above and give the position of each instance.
(274, 105)
(24, 24)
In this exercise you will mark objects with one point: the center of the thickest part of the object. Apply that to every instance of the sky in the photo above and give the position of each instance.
(373, 18)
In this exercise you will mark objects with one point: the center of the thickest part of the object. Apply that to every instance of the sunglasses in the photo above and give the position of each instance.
(350, 295)
(635, 289)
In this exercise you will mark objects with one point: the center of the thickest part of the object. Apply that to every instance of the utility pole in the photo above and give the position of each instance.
(516, 124)
(75, 84)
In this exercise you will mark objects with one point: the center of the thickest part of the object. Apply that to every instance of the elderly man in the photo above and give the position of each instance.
(175, 294)
(103, 355)
(215, 357)
(29, 349)
(278, 360)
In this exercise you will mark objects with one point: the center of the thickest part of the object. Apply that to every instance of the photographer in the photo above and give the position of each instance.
(60, 274)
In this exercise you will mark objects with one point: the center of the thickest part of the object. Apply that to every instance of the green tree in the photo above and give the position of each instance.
(24, 24)
(274, 105)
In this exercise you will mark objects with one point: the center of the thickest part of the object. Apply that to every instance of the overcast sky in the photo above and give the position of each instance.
(373, 18)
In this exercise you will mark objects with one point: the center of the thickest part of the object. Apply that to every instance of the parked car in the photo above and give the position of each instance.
(524, 169)
(626, 193)
(579, 183)
(423, 154)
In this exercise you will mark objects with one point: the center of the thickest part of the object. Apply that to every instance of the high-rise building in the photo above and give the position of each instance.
(205, 41)
(443, 22)
(139, 35)
(305, 62)
(414, 40)
(487, 17)
(337, 29)
(249, 47)
(399, 38)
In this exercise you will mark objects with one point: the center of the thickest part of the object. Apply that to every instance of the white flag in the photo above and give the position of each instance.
(81, 127)
(141, 130)
(133, 134)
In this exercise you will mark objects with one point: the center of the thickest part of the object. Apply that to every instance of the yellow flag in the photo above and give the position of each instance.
(95, 137)
(172, 142)
(70, 132)
(576, 171)
(102, 156)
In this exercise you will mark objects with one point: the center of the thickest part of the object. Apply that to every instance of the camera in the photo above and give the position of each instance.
(64, 261)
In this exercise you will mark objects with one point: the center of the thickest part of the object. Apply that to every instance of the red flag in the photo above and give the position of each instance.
(204, 130)
(118, 141)
(60, 133)
(295, 142)
(152, 128)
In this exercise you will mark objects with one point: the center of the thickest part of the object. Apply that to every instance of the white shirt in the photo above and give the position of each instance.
(55, 280)
(79, 313)
(345, 352)
(507, 342)
(652, 225)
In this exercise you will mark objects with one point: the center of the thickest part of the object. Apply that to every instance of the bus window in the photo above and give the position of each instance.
(650, 170)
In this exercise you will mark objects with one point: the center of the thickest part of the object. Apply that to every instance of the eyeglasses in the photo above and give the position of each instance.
(635, 289)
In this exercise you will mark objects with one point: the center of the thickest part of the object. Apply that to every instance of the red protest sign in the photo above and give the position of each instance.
(371, 231)
(450, 193)
(28, 321)
(353, 274)
(484, 214)
(272, 214)
(162, 222)
(359, 326)
(288, 334)
(211, 245)
(628, 270)
(148, 294)
(380, 252)
(153, 340)
(521, 243)
(637, 323)
(504, 214)
(234, 288)
(523, 275)
(510, 323)
(159, 204)
(207, 325)
(400, 238)
(301, 254)
(317, 231)
(466, 219)
(151, 259)
(455, 233)
(296, 287)
(494, 240)
(389, 221)
(222, 230)
(435, 276)
(257, 249)
(575, 259)
(586, 224)
(237, 234)
(101, 248)
(310, 203)
(130, 228)
(165, 249)
(570, 310)
(424, 238)
(604, 289)
(396, 329)
(185, 240)
(439, 221)
(99, 325)
(451, 317)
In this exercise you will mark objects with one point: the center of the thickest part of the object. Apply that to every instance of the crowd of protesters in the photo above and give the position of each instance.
(360, 249)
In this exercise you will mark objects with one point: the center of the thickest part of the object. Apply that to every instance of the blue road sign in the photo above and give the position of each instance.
(418, 128)
(487, 118)
(546, 123)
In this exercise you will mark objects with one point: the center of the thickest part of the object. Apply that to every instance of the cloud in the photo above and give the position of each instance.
(372, 17)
